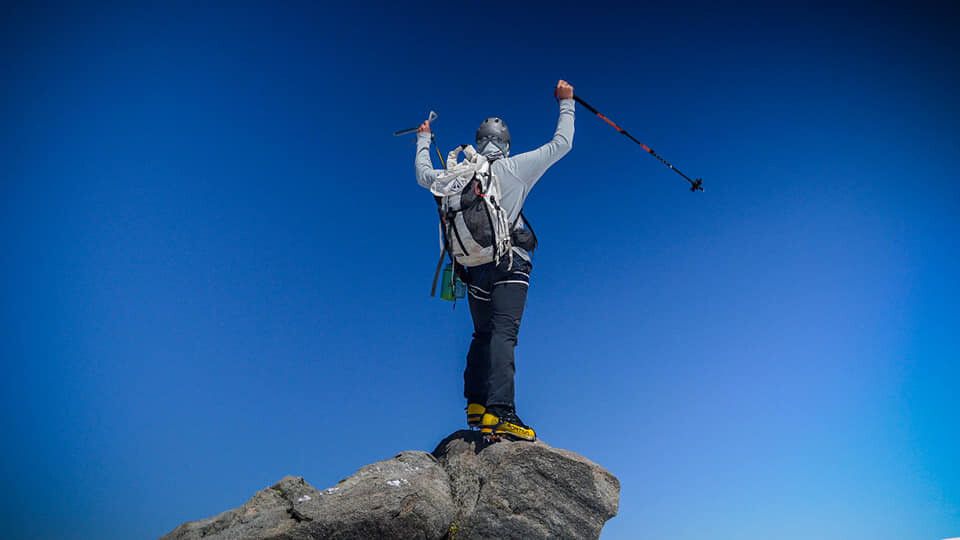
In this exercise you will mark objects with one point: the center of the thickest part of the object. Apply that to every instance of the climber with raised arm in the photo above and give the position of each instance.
(481, 201)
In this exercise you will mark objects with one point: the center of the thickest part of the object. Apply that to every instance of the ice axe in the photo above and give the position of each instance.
(430, 118)
(433, 116)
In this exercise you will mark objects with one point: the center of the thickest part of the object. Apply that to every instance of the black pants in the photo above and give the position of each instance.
(497, 298)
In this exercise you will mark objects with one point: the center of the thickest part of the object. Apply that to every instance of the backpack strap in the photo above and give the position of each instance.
(526, 223)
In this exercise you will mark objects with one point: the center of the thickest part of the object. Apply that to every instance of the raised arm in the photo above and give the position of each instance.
(426, 174)
(530, 166)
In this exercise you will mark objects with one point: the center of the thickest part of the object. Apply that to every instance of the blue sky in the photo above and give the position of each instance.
(216, 258)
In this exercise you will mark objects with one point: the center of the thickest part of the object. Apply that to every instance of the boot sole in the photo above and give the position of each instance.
(496, 431)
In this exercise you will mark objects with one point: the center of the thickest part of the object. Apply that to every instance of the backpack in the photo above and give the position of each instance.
(474, 228)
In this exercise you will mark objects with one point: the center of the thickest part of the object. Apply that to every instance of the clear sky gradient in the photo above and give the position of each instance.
(216, 259)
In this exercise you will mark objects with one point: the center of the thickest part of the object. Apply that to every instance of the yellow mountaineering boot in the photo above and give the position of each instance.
(498, 422)
(475, 414)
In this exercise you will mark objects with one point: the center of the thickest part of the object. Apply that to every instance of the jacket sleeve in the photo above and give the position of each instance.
(426, 174)
(530, 166)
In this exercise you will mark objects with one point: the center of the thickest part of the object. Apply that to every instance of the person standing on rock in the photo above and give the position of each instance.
(496, 268)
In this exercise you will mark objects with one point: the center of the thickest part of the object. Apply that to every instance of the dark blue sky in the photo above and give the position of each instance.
(216, 259)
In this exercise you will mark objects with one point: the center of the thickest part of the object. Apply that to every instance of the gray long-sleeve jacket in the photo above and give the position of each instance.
(517, 174)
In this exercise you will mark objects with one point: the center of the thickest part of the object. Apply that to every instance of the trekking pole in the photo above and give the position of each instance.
(695, 184)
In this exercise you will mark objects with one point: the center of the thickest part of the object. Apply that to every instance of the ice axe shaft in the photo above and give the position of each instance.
(695, 184)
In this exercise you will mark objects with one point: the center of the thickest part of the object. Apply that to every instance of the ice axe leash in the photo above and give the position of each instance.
(695, 184)
(452, 288)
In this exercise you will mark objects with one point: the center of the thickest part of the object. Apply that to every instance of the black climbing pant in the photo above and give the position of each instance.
(497, 298)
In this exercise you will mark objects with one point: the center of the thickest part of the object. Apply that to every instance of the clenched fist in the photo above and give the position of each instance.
(563, 90)
(424, 127)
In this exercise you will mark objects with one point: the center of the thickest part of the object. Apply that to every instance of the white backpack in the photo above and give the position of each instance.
(474, 226)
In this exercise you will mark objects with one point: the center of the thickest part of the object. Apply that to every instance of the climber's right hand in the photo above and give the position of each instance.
(424, 127)
(563, 90)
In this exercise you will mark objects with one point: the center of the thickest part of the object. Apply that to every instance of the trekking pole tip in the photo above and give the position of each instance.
(696, 185)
